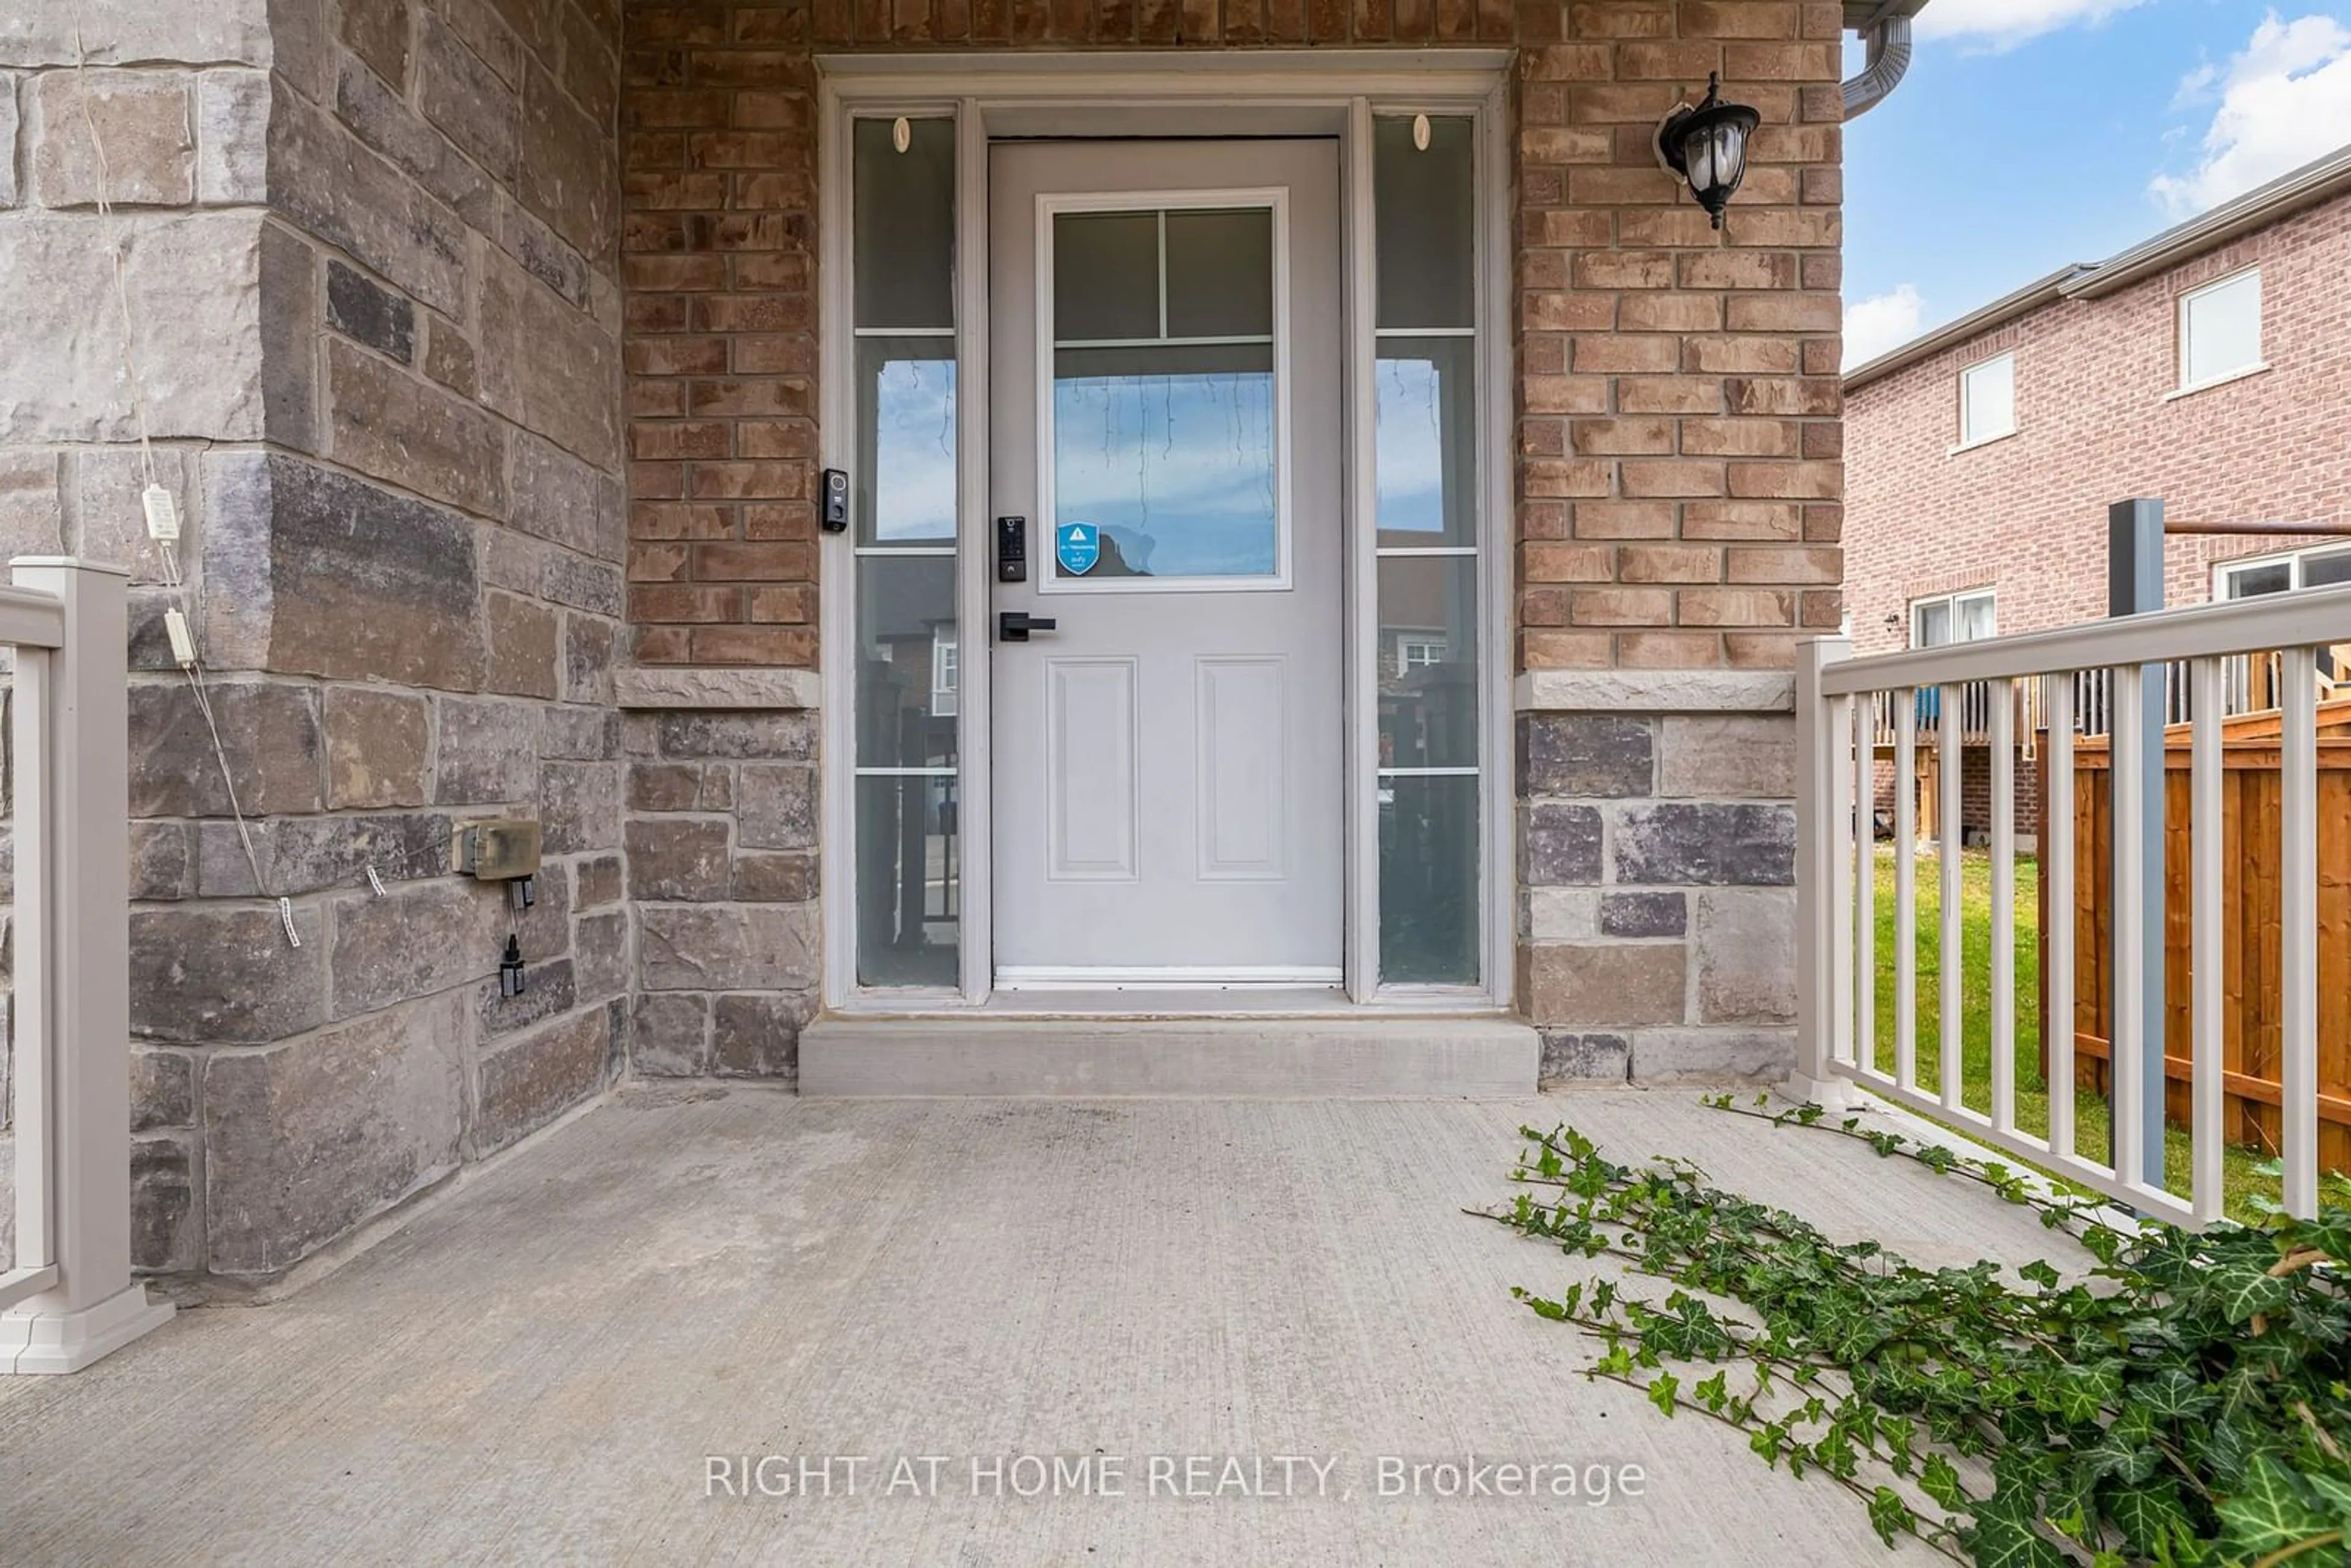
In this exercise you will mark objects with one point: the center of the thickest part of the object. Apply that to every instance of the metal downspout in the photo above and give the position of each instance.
(1889, 57)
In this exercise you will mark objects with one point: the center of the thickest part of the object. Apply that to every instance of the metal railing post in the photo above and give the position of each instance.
(2134, 587)
(73, 917)
(1823, 984)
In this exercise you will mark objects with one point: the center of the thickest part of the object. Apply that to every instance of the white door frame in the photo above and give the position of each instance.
(1327, 92)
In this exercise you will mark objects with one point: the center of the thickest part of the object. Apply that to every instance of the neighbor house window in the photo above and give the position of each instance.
(2321, 566)
(2221, 331)
(1952, 618)
(1987, 401)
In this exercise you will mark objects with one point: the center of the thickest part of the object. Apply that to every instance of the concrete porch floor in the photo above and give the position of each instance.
(536, 1369)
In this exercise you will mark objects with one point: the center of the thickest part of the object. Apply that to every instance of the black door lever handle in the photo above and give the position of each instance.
(1014, 626)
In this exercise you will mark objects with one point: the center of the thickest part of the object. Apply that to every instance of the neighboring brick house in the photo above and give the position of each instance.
(495, 350)
(2208, 367)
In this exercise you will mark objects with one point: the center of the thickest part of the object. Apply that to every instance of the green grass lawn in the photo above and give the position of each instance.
(2240, 1180)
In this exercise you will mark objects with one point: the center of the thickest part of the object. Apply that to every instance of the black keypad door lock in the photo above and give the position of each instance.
(1011, 549)
(1014, 626)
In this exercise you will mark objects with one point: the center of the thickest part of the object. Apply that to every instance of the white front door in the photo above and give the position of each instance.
(1166, 414)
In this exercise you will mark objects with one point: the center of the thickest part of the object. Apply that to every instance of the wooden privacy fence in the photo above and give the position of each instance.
(2253, 1006)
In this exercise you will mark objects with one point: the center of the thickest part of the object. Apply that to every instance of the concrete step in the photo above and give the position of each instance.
(1239, 1057)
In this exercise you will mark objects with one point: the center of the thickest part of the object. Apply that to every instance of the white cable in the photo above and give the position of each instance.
(167, 557)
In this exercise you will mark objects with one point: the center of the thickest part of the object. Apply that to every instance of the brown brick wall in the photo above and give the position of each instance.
(2027, 516)
(1678, 431)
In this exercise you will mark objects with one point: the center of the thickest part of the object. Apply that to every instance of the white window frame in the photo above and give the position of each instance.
(1970, 438)
(1419, 653)
(1950, 603)
(1009, 94)
(2223, 570)
(946, 669)
(2180, 319)
(1272, 200)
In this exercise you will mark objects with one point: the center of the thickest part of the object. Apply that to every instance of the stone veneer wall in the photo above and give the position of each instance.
(371, 248)
(1679, 443)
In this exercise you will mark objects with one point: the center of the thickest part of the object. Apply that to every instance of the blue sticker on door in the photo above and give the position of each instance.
(1077, 546)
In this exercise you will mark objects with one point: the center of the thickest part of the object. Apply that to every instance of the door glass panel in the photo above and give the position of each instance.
(1106, 276)
(1428, 662)
(906, 417)
(1428, 880)
(1163, 439)
(1220, 273)
(1426, 406)
(1169, 452)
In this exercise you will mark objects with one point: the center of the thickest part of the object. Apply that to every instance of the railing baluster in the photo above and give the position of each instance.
(1849, 783)
(1863, 997)
(2057, 941)
(1950, 1020)
(1905, 888)
(2204, 1041)
(2002, 742)
(2128, 926)
(2298, 921)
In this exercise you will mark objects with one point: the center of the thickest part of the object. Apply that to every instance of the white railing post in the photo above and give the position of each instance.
(73, 966)
(1823, 774)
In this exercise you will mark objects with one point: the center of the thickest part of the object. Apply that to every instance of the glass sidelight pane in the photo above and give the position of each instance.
(1428, 662)
(1428, 880)
(904, 204)
(909, 653)
(1425, 219)
(1425, 404)
(906, 690)
(909, 880)
(906, 488)
(1170, 452)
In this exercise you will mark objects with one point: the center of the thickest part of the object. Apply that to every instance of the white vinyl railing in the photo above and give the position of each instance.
(68, 1298)
(1838, 701)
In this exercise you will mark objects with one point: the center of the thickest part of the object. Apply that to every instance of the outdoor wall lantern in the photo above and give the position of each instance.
(1707, 146)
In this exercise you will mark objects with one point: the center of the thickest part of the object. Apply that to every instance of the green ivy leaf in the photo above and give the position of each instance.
(2148, 1513)
(2171, 1394)
(2240, 1290)
(1941, 1481)
(1663, 1390)
(1889, 1515)
(2006, 1541)
(2271, 1510)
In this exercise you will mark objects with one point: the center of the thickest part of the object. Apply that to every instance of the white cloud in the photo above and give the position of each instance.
(2004, 23)
(2284, 100)
(1880, 322)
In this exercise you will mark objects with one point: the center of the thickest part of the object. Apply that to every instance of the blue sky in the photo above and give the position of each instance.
(2033, 133)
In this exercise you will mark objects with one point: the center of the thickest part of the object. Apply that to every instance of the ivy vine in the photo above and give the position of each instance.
(2186, 1401)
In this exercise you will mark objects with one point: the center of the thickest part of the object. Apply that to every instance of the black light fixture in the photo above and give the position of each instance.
(1707, 146)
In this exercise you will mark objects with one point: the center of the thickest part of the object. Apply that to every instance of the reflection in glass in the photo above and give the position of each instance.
(909, 877)
(1428, 662)
(1170, 452)
(1426, 409)
(906, 428)
(1428, 880)
(905, 614)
